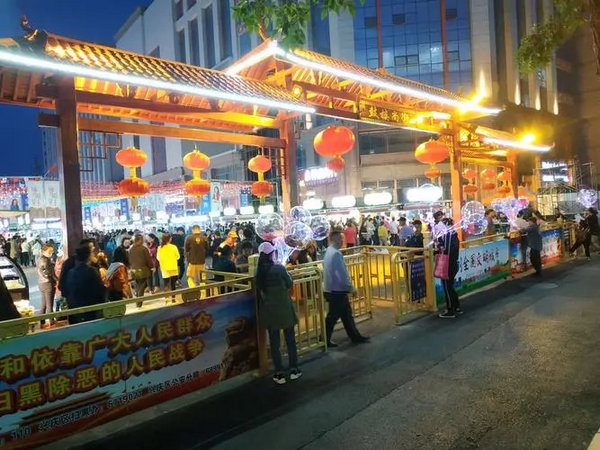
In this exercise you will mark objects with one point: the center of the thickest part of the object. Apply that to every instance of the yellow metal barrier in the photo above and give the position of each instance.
(413, 287)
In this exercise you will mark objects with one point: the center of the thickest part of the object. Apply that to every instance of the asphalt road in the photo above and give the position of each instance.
(519, 370)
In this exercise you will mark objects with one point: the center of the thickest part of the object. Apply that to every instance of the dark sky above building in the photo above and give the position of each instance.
(94, 21)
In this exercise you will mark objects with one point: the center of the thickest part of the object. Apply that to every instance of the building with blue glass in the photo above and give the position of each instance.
(465, 46)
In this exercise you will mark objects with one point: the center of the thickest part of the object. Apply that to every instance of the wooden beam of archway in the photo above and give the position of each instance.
(113, 126)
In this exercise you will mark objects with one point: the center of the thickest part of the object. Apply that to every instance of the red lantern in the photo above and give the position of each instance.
(196, 160)
(334, 140)
(488, 173)
(261, 188)
(133, 187)
(503, 190)
(505, 176)
(432, 152)
(197, 187)
(488, 186)
(469, 174)
(259, 164)
(433, 172)
(131, 157)
(336, 164)
(470, 189)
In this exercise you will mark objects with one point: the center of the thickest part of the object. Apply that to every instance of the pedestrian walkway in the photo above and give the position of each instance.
(518, 370)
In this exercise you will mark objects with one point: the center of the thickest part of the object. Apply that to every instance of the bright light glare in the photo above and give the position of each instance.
(12, 59)
(528, 138)
(518, 145)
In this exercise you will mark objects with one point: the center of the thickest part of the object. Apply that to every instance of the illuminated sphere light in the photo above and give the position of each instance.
(469, 174)
(488, 186)
(131, 157)
(503, 190)
(433, 172)
(472, 209)
(470, 189)
(488, 173)
(261, 188)
(587, 197)
(196, 160)
(300, 214)
(197, 187)
(523, 202)
(476, 226)
(282, 250)
(498, 204)
(504, 176)
(269, 226)
(134, 187)
(259, 164)
(427, 192)
(432, 152)
(298, 234)
(336, 164)
(334, 140)
(320, 227)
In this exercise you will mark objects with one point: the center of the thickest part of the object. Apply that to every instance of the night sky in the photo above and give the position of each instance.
(20, 138)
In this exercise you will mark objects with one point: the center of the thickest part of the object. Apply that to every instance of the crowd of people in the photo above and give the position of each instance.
(128, 264)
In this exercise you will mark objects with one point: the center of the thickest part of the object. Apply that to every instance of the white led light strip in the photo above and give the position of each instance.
(385, 85)
(18, 60)
(518, 145)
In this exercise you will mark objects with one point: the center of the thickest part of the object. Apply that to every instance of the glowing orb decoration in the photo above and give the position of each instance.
(476, 226)
(300, 214)
(269, 226)
(587, 197)
(283, 251)
(298, 234)
(427, 193)
(320, 227)
(472, 209)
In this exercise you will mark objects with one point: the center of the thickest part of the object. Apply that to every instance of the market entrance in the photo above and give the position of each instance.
(88, 86)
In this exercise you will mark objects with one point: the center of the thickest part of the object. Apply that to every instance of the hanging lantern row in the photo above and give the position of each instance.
(334, 141)
(133, 187)
(432, 152)
(260, 164)
(196, 161)
(504, 177)
(470, 175)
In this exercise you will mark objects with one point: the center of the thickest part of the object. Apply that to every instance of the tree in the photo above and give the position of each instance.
(537, 48)
(287, 19)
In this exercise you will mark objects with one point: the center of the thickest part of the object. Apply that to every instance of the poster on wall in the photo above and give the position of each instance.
(43, 198)
(69, 379)
(551, 250)
(13, 194)
(216, 198)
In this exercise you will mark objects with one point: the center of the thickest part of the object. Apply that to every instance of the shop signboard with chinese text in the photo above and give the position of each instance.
(479, 265)
(68, 379)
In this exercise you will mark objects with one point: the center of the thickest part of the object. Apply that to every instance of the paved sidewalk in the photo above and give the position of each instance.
(519, 370)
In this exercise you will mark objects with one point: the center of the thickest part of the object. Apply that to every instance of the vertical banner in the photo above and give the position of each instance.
(244, 197)
(205, 207)
(87, 214)
(124, 207)
(216, 197)
(67, 380)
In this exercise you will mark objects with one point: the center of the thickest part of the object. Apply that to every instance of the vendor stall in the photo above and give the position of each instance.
(14, 277)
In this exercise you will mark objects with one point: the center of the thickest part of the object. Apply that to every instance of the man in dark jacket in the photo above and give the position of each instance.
(84, 287)
(70, 263)
(196, 249)
(46, 280)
